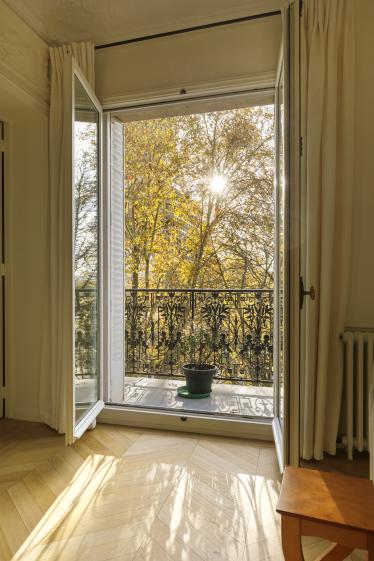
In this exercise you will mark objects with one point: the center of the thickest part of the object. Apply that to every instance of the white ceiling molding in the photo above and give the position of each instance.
(23, 57)
(15, 86)
(62, 21)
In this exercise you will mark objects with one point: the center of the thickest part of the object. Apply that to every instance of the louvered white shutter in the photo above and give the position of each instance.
(117, 235)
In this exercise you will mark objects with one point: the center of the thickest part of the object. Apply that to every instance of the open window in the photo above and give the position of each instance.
(281, 258)
(196, 254)
(172, 193)
(84, 386)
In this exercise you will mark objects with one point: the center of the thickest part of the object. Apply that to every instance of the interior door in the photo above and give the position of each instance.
(282, 253)
(85, 387)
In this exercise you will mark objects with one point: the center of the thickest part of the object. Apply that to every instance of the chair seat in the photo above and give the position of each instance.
(328, 497)
(329, 506)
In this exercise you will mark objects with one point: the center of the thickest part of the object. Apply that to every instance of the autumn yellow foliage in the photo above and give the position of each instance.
(181, 232)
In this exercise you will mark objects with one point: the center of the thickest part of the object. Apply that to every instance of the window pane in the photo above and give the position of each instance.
(86, 251)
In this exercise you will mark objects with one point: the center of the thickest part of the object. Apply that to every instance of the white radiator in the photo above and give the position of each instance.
(358, 367)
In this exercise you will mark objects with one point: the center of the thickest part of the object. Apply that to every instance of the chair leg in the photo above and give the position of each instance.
(370, 547)
(291, 538)
(335, 552)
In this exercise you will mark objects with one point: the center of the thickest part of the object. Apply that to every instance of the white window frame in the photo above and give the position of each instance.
(260, 429)
(75, 429)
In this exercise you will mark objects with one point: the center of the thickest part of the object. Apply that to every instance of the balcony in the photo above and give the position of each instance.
(160, 336)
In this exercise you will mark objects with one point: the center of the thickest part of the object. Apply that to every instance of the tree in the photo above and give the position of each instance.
(154, 207)
(179, 232)
(85, 206)
(85, 246)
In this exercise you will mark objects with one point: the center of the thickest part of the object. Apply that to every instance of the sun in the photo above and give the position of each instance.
(218, 184)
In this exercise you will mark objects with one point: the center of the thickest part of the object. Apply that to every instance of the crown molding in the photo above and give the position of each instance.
(23, 57)
(23, 12)
(15, 85)
(24, 87)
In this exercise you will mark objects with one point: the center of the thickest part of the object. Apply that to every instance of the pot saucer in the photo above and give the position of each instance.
(182, 391)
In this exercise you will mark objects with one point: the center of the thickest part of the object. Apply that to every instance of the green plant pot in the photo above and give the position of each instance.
(199, 377)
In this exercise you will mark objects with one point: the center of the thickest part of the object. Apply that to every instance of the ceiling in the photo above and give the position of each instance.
(105, 21)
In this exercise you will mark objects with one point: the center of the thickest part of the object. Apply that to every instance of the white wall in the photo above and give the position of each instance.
(24, 95)
(361, 304)
(214, 58)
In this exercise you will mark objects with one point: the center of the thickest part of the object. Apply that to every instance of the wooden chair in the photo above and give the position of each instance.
(329, 506)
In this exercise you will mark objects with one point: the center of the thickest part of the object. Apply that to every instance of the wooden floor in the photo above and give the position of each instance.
(359, 467)
(127, 494)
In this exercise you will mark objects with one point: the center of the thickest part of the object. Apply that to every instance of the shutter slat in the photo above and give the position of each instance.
(117, 260)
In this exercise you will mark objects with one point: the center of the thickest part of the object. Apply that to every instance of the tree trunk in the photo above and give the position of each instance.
(205, 233)
(148, 253)
(135, 272)
(146, 272)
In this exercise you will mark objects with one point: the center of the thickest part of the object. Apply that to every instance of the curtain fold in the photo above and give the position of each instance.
(57, 313)
(327, 123)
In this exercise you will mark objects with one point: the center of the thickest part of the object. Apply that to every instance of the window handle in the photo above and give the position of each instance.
(311, 292)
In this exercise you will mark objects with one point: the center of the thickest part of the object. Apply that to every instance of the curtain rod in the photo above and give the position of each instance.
(188, 29)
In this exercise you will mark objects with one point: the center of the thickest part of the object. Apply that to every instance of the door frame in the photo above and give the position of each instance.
(282, 339)
(123, 415)
(260, 429)
(295, 342)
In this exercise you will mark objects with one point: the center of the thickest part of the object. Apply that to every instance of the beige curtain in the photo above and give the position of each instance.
(327, 121)
(57, 314)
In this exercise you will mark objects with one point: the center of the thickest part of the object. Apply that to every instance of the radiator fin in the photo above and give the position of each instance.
(358, 348)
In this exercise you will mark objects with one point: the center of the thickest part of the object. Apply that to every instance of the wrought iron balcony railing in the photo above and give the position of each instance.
(230, 328)
(86, 300)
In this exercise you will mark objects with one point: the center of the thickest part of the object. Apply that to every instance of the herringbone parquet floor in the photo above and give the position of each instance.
(122, 494)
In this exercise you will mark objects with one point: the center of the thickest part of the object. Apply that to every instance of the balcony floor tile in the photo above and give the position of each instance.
(244, 401)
